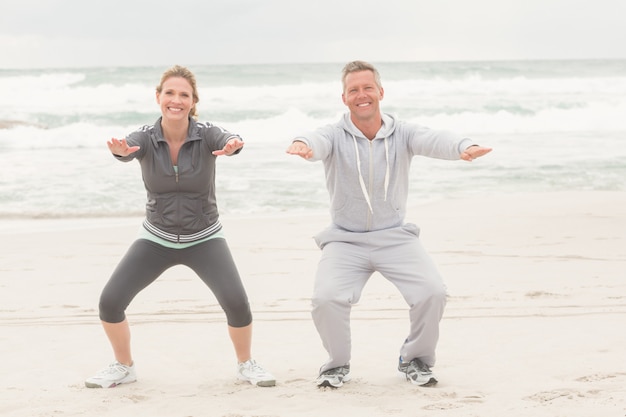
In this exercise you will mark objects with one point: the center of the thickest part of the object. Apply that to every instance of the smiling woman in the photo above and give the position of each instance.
(177, 158)
(177, 96)
(179, 83)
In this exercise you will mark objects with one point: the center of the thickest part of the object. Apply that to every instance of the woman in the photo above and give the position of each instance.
(177, 157)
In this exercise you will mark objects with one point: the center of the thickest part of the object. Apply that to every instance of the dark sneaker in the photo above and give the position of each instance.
(417, 372)
(334, 378)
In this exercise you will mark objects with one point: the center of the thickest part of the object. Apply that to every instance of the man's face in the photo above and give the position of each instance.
(362, 95)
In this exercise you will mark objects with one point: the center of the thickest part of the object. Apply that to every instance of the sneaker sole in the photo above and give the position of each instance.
(328, 384)
(266, 384)
(113, 385)
(430, 383)
(259, 383)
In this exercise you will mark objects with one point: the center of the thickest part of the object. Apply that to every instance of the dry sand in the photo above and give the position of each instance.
(534, 324)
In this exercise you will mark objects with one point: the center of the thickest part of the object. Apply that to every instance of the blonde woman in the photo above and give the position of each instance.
(177, 156)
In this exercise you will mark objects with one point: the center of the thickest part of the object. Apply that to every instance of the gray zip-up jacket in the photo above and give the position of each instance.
(181, 205)
(368, 181)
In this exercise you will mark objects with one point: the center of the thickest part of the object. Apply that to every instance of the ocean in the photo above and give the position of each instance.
(553, 125)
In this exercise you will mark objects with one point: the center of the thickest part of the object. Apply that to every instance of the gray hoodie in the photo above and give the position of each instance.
(368, 180)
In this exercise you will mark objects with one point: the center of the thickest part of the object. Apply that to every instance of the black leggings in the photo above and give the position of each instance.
(145, 261)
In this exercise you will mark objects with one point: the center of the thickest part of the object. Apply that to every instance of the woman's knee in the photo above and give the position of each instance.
(238, 314)
(110, 309)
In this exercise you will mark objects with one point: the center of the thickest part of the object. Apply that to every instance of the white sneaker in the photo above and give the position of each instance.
(253, 373)
(112, 376)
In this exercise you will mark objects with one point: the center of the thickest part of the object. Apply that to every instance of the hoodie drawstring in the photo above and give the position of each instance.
(362, 181)
(387, 169)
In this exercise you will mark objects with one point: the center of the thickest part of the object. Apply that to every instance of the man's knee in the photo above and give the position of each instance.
(435, 295)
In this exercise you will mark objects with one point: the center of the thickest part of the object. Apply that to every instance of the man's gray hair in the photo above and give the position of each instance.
(356, 66)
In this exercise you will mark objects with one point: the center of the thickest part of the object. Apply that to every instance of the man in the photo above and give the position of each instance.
(367, 156)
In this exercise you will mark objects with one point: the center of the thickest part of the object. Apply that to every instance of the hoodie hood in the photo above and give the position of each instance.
(387, 128)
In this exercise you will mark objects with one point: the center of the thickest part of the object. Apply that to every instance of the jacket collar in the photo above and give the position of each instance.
(192, 132)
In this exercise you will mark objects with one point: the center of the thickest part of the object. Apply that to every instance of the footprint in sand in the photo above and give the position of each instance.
(137, 398)
(595, 377)
(458, 403)
(546, 396)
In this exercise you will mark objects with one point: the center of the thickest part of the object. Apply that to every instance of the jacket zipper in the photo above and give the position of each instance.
(178, 202)
(177, 193)
(371, 182)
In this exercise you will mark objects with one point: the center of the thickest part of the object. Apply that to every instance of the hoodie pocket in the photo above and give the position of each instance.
(352, 215)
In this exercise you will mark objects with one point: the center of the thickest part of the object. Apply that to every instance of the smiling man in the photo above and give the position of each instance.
(367, 157)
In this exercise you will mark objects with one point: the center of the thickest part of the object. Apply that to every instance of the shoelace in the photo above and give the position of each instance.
(420, 366)
(113, 368)
(254, 367)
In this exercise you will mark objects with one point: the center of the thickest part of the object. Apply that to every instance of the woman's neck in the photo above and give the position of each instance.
(175, 131)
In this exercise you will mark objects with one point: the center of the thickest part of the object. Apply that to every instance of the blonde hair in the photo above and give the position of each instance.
(356, 66)
(182, 72)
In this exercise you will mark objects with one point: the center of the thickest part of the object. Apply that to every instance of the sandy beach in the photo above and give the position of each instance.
(533, 326)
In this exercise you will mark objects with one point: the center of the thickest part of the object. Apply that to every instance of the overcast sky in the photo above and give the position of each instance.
(78, 33)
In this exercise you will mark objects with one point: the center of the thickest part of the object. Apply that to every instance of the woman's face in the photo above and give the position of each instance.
(175, 98)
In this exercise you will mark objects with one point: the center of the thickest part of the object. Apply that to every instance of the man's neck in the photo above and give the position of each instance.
(369, 127)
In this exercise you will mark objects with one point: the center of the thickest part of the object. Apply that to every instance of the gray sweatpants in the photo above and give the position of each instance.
(348, 261)
(145, 261)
